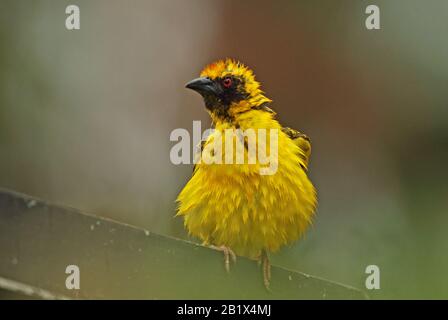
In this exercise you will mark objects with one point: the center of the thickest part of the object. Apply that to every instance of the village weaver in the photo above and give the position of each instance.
(232, 207)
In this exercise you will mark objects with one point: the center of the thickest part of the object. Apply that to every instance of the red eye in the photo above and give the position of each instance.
(227, 82)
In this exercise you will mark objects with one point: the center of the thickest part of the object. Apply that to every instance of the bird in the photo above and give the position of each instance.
(234, 208)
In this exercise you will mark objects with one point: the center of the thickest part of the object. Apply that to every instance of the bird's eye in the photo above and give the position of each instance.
(227, 82)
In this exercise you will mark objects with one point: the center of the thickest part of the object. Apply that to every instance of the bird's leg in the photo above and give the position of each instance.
(266, 269)
(228, 253)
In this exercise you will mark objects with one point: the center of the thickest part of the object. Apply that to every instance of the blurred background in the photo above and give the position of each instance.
(85, 118)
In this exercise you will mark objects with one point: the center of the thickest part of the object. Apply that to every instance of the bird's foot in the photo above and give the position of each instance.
(228, 254)
(266, 265)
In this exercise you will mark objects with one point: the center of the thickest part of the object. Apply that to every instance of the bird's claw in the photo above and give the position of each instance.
(228, 254)
(264, 260)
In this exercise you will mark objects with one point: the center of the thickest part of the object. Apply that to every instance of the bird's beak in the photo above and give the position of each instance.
(202, 85)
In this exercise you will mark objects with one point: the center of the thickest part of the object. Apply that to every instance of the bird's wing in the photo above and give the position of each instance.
(303, 142)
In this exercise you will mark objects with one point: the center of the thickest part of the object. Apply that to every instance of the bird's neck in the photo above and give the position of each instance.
(250, 113)
(251, 118)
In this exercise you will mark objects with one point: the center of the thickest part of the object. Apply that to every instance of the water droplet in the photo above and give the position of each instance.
(31, 203)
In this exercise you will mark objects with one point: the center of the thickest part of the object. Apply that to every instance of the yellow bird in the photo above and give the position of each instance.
(233, 207)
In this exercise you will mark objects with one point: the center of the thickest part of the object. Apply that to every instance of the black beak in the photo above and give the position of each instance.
(202, 85)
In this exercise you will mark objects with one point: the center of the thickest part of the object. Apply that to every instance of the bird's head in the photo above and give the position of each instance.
(227, 87)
